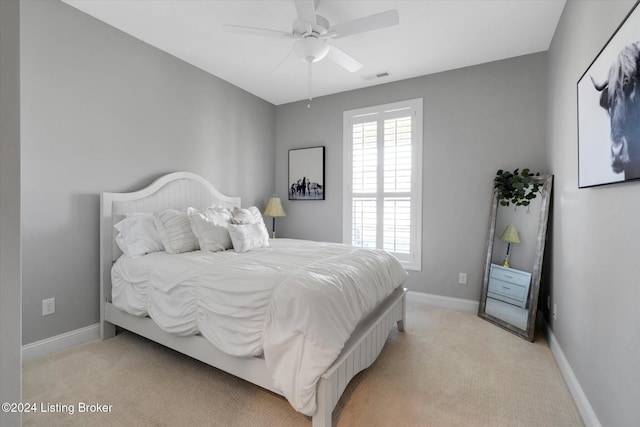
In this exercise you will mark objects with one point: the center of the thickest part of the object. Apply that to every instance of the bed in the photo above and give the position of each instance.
(361, 346)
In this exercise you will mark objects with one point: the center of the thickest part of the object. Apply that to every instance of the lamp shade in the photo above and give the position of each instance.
(510, 235)
(274, 207)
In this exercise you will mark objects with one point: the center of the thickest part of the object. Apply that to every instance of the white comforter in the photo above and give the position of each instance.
(296, 302)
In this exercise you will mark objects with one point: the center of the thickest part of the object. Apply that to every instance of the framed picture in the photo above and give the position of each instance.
(306, 173)
(609, 110)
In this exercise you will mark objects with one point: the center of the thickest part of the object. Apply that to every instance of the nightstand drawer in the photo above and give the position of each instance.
(507, 289)
(511, 276)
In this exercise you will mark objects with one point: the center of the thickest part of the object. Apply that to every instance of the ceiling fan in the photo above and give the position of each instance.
(312, 32)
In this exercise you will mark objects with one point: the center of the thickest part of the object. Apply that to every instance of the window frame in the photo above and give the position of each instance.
(413, 260)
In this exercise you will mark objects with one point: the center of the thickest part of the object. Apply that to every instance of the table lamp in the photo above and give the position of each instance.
(510, 236)
(274, 209)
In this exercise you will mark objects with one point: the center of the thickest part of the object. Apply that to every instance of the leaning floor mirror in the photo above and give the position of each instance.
(513, 266)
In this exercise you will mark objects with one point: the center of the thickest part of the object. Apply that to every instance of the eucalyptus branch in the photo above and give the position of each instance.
(516, 187)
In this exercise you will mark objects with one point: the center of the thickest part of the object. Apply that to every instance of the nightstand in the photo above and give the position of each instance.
(509, 285)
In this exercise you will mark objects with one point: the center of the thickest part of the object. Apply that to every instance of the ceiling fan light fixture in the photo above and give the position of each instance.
(311, 49)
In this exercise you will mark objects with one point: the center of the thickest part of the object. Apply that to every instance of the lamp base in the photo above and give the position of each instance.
(505, 263)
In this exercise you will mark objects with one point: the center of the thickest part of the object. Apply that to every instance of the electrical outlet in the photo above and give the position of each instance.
(48, 306)
(555, 311)
(462, 278)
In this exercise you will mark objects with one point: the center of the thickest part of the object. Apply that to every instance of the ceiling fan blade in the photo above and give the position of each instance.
(256, 31)
(306, 10)
(367, 23)
(343, 59)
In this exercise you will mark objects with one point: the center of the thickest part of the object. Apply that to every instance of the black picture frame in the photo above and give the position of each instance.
(601, 160)
(306, 174)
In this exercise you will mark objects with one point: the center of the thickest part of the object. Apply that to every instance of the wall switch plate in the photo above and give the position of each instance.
(48, 306)
(462, 278)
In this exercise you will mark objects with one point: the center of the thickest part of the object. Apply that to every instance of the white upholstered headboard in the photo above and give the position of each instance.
(177, 190)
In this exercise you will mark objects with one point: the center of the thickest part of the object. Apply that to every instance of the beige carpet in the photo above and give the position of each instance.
(447, 369)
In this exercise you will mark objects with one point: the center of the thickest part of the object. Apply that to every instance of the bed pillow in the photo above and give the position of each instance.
(246, 237)
(242, 216)
(250, 215)
(174, 228)
(219, 215)
(210, 228)
(256, 215)
(137, 235)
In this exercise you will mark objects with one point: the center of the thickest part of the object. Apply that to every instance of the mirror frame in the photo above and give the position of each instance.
(546, 182)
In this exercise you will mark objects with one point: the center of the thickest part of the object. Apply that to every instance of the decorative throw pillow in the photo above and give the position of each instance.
(175, 231)
(242, 216)
(219, 215)
(210, 228)
(250, 215)
(256, 215)
(137, 235)
(246, 237)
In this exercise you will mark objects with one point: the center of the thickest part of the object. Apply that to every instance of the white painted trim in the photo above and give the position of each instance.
(60, 342)
(589, 416)
(450, 303)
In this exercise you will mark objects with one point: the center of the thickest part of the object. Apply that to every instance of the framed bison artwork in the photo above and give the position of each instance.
(306, 173)
(609, 110)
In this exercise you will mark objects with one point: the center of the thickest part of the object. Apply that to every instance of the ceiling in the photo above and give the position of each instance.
(432, 36)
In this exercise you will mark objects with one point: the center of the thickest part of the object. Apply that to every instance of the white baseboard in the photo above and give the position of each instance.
(456, 304)
(587, 413)
(60, 342)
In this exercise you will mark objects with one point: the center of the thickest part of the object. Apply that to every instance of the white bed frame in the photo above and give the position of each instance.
(185, 189)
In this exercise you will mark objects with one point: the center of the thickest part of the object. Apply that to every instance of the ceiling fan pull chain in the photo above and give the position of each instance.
(309, 83)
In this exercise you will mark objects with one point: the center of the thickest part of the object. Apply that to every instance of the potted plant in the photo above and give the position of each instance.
(516, 187)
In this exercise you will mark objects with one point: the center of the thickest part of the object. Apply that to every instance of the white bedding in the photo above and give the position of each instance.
(296, 302)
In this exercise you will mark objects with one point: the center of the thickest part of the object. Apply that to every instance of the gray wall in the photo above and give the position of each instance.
(476, 121)
(10, 321)
(594, 268)
(103, 111)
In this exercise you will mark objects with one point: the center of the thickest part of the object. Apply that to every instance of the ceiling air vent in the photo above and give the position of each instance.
(375, 76)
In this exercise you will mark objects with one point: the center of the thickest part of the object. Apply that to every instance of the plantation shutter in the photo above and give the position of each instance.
(397, 185)
(383, 174)
(365, 182)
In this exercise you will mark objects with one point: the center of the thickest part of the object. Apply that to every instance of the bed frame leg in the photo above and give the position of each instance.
(404, 312)
(324, 409)
(107, 330)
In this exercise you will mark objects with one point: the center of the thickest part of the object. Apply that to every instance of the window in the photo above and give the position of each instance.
(383, 176)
